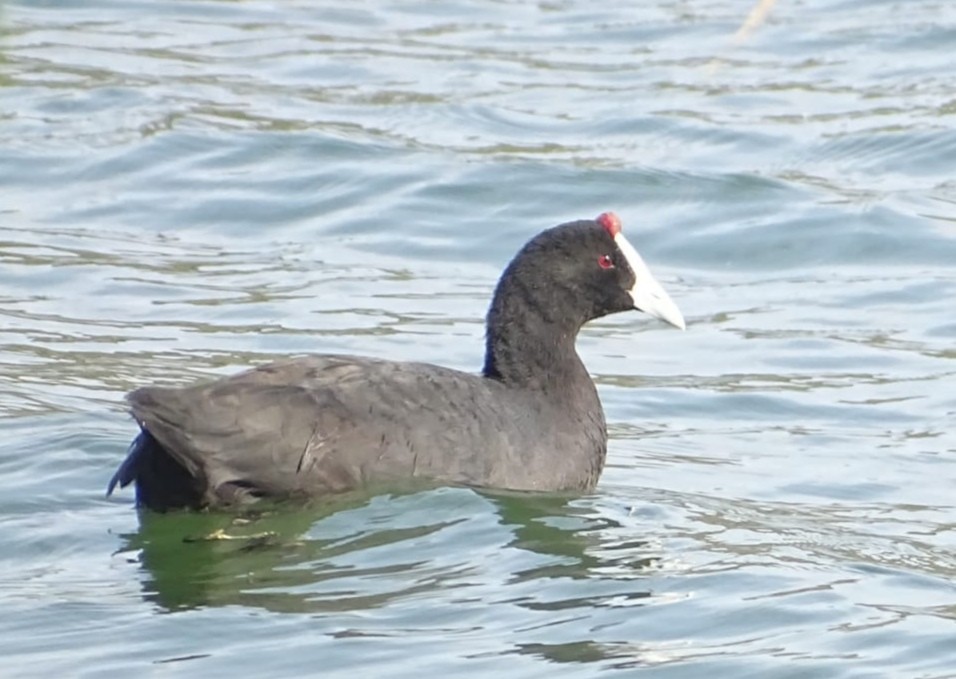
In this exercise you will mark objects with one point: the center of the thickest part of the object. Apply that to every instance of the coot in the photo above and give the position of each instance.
(325, 424)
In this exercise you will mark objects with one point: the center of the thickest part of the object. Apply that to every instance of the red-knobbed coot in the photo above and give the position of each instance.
(324, 424)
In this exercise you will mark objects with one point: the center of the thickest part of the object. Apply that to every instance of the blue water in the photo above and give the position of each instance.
(188, 188)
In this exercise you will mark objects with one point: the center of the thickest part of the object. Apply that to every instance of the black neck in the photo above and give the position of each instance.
(524, 346)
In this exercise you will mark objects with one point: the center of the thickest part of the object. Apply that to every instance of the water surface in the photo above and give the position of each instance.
(192, 187)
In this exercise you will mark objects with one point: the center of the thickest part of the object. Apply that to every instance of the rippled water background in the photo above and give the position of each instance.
(190, 187)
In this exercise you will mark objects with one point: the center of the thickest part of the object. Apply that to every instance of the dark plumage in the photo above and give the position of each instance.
(325, 424)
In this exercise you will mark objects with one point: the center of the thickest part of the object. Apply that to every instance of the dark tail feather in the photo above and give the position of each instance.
(127, 471)
(161, 482)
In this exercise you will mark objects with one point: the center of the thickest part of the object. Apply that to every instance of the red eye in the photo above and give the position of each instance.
(605, 262)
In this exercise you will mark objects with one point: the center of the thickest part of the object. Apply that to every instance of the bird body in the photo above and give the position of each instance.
(318, 425)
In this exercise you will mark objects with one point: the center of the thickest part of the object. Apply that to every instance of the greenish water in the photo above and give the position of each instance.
(187, 188)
